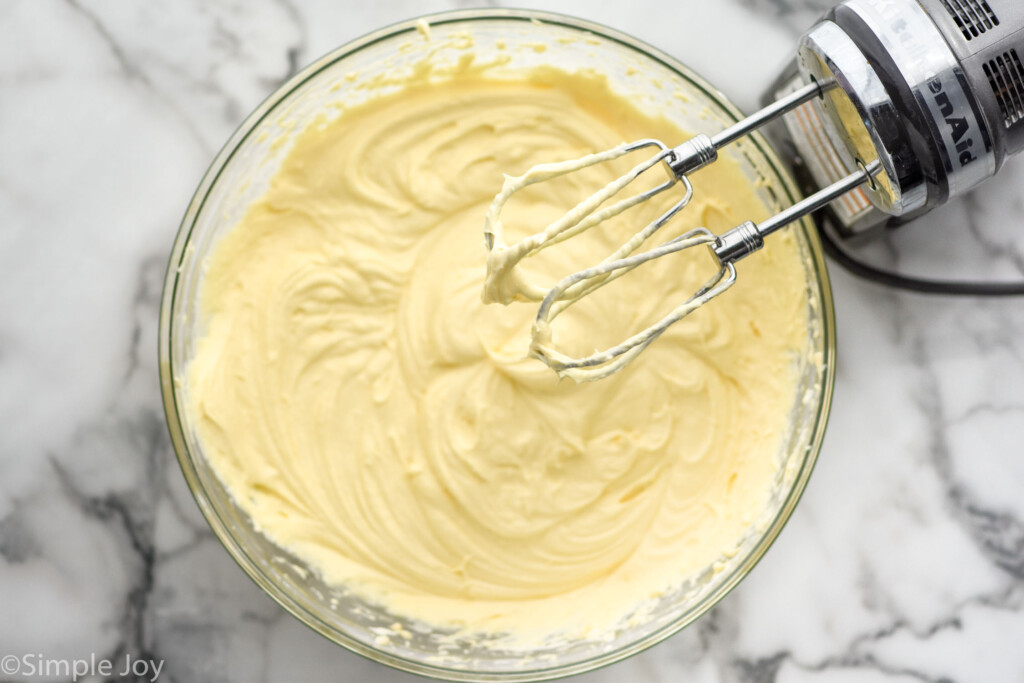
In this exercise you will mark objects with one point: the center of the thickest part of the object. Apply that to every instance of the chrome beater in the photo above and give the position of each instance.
(503, 286)
(911, 103)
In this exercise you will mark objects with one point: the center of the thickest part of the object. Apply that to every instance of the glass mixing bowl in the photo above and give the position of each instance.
(241, 172)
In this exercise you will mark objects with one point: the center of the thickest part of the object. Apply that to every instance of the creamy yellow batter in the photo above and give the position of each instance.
(375, 418)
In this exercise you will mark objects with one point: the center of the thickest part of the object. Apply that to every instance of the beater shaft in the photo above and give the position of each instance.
(701, 150)
(748, 237)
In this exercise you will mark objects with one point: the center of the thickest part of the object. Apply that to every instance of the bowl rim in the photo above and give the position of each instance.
(252, 568)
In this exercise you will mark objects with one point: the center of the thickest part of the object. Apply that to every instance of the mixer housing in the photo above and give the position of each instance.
(931, 89)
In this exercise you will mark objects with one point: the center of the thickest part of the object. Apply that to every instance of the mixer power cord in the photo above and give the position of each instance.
(841, 255)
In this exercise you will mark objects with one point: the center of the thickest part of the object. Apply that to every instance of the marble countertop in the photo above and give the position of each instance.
(903, 562)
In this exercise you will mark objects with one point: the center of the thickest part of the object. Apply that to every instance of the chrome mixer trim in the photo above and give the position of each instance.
(826, 51)
(939, 86)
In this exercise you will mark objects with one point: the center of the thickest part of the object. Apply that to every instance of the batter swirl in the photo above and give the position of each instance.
(374, 417)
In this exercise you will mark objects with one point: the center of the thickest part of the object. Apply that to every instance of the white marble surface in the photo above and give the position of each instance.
(904, 561)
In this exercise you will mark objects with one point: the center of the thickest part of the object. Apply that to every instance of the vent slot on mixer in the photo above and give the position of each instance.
(973, 17)
(1006, 76)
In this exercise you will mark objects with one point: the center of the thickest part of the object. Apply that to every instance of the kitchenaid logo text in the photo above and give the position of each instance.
(958, 126)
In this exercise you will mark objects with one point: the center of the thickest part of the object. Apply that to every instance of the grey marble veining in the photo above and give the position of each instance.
(903, 562)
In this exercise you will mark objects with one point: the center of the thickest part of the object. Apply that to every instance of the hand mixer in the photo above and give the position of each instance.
(900, 106)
